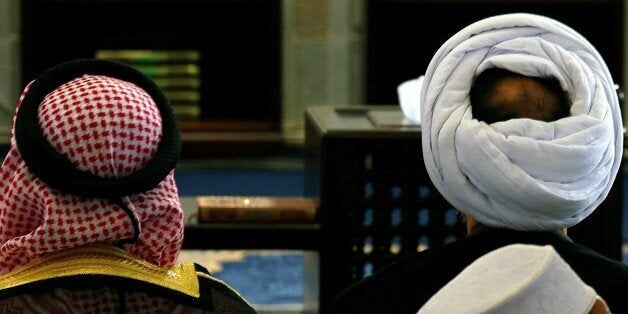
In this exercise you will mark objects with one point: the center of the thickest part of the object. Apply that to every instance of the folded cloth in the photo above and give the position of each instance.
(518, 278)
(109, 128)
(409, 93)
(522, 174)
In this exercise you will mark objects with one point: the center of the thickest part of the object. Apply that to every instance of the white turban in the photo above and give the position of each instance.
(522, 174)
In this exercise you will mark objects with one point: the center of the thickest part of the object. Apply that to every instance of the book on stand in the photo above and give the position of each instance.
(256, 209)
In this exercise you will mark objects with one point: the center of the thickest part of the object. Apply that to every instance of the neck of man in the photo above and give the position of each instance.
(472, 224)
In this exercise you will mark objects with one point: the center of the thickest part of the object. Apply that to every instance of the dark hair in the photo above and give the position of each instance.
(484, 88)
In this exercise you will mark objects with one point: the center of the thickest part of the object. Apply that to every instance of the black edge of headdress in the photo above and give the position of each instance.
(57, 171)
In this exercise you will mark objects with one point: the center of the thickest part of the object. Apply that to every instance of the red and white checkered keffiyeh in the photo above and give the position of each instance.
(110, 128)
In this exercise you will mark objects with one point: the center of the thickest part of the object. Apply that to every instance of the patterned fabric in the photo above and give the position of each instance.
(110, 128)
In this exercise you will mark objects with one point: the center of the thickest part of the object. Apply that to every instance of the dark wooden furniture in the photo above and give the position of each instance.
(378, 205)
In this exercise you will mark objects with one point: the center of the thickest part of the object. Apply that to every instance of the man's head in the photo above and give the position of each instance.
(92, 153)
(538, 172)
(500, 95)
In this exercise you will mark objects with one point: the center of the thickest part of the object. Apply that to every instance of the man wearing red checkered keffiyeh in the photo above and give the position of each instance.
(90, 218)
(106, 127)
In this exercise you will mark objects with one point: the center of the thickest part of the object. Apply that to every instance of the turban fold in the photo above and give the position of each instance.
(104, 177)
(522, 174)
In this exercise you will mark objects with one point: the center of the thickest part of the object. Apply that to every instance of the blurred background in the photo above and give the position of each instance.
(241, 73)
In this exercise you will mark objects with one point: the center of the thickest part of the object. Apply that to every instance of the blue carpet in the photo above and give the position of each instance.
(262, 278)
(267, 278)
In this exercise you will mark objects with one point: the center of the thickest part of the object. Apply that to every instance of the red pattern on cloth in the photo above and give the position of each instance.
(110, 128)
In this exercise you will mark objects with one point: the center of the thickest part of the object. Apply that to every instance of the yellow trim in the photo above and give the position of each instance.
(99, 259)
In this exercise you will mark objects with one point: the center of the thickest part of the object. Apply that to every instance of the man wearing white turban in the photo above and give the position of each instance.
(521, 132)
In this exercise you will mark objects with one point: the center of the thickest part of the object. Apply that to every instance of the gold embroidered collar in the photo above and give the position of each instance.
(100, 259)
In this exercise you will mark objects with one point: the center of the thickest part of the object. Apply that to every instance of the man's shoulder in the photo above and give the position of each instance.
(405, 285)
(586, 261)
(609, 278)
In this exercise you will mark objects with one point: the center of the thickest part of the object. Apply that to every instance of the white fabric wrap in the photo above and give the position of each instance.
(522, 174)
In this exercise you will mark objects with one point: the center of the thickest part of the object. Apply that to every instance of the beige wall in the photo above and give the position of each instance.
(10, 74)
(323, 58)
(625, 80)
